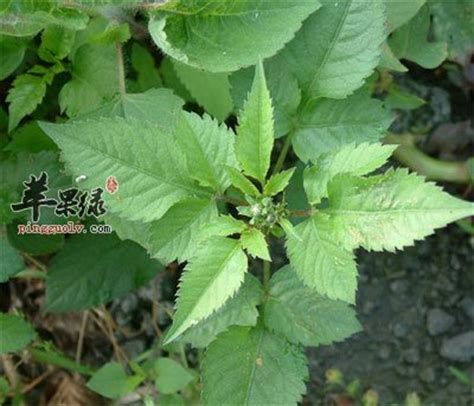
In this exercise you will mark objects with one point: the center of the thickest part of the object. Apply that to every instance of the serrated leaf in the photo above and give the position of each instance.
(26, 94)
(136, 231)
(253, 241)
(95, 269)
(351, 159)
(150, 169)
(209, 280)
(56, 43)
(211, 90)
(320, 262)
(159, 106)
(10, 260)
(112, 382)
(400, 99)
(209, 148)
(411, 42)
(12, 51)
(177, 234)
(16, 333)
(94, 79)
(225, 36)
(301, 316)
(252, 366)
(400, 12)
(239, 310)
(284, 92)
(223, 226)
(143, 63)
(325, 125)
(390, 211)
(171, 376)
(30, 138)
(255, 131)
(337, 48)
(278, 182)
(239, 181)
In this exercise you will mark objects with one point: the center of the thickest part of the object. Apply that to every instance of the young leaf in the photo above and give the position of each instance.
(252, 366)
(255, 132)
(347, 49)
(177, 234)
(223, 226)
(301, 316)
(95, 269)
(390, 211)
(16, 333)
(239, 181)
(150, 169)
(26, 94)
(12, 51)
(278, 182)
(112, 382)
(94, 79)
(11, 261)
(253, 240)
(320, 262)
(56, 43)
(211, 90)
(326, 125)
(209, 147)
(225, 36)
(411, 42)
(351, 159)
(239, 310)
(171, 376)
(389, 61)
(209, 280)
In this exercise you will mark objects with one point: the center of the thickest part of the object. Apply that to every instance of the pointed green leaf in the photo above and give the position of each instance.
(255, 132)
(146, 161)
(239, 181)
(253, 240)
(10, 260)
(94, 79)
(389, 61)
(209, 147)
(209, 280)
(252, 366)
(112, 382)
(301, 316)
(13, 52)
(320, 262)
(390, 211)
(143, 63)
(223, 226)
(225, 36)
(351, 159)
(26, 94)
(337, 47)
(176, 235)
(411, 42)
(278, 182)
(15, 334)
(400, 12)
(171, 376)
(56, 43)
(325, 124)
(239, 310)
(211, 90)
(289, 230)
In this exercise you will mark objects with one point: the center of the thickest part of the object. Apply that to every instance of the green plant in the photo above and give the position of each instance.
(194, 190)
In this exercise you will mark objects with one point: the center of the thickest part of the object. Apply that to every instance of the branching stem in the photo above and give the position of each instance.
(120, 70)
(283, 153)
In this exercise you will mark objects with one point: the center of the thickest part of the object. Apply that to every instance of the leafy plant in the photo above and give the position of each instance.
(214, 194)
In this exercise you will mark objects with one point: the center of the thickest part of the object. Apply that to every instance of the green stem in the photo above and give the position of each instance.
(120, 70)
(266, 275)
(435, 169)
(283, 153)
(182, 352)
(59, 360)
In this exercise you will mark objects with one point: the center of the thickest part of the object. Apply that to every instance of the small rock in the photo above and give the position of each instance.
(412, 355)
(428, 375)
(400, 330)
(399, 286)
(459, 348)
(467, 305)
(438, 321)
